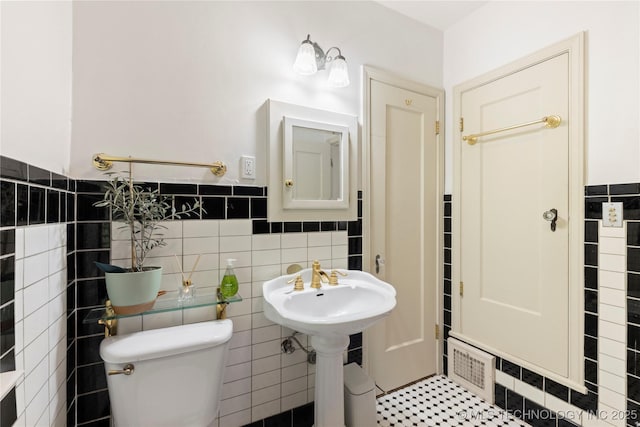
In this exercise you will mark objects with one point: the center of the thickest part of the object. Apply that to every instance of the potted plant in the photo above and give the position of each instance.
(141, 210)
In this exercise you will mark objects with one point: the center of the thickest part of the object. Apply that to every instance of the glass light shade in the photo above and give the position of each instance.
(306, 60)
(339, 73)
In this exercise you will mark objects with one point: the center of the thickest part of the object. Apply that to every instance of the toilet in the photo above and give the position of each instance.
(167, 377)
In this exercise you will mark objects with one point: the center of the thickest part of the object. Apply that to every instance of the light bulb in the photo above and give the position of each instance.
(306, 60)
(339, 73)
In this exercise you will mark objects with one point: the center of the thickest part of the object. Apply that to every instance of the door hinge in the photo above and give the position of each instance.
(437, 331)
(461, 289)
(461, 124)
(437, 127)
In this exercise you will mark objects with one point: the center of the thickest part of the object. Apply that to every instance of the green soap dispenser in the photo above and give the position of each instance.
(229, 284)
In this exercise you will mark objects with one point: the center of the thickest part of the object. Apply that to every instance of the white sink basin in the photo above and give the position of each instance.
(329, 315)
(347, 308)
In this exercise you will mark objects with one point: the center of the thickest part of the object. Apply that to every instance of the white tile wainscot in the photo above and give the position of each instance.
(41, 327)
(612, 260)
(259, 381)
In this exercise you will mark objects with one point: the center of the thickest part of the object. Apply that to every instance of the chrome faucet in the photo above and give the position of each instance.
(317, 275)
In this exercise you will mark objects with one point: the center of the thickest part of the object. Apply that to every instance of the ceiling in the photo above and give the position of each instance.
(438, 14)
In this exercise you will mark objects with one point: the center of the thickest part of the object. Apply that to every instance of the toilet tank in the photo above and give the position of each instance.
(177, 375)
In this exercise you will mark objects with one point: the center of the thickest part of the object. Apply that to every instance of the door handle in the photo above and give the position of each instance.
(379, 262)
(552, 216)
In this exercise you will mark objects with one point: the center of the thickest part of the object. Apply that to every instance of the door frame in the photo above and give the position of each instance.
(574, 46)
(369, 74)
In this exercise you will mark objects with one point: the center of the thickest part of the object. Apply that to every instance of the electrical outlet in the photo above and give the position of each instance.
(612, 214)
(248, 167)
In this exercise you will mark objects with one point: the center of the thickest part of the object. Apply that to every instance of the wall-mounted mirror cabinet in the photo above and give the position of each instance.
(312, 164)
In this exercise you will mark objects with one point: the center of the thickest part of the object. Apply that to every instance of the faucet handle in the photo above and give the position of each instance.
(333, 279)
(298, 284)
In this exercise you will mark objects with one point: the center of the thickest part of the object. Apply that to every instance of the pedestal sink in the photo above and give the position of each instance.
(329, 315)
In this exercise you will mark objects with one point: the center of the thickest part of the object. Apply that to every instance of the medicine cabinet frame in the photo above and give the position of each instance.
(282, 206)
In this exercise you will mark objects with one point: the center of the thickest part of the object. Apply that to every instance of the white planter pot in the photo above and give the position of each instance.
(133, 292)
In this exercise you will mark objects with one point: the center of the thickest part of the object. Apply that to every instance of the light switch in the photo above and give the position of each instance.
(248, 167)
(612, 214)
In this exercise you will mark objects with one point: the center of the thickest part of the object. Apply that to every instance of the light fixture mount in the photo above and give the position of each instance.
(321, 57)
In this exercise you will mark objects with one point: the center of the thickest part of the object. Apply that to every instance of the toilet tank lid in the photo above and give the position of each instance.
(164, 342)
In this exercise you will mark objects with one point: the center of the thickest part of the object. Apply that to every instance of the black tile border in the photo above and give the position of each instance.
(447, 207)
(13, 169)
(38, 197)
(219, 203)
(620, 189)
(302, 416)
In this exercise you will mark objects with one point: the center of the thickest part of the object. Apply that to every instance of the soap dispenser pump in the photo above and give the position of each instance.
(229, 284)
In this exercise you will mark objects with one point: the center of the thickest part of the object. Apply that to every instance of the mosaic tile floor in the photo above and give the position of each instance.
(438, 401)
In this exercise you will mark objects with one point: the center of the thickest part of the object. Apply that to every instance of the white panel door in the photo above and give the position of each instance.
(404, 231)
(514, 267)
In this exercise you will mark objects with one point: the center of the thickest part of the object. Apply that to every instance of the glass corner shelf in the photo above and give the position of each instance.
(163, 304)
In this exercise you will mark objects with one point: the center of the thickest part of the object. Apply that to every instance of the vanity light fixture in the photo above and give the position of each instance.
(312, 58)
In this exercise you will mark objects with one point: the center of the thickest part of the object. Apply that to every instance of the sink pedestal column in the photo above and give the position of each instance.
(329, 393)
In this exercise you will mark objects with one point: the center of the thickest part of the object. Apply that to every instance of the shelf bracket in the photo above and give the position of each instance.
(109, 318)
(221, 308)
(110, 325)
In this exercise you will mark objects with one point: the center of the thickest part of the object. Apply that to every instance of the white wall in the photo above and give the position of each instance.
(35, 100)
(188, 80)
(501, 32)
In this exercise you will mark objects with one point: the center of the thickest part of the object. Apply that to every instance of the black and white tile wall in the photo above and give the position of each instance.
(629, 195)
(39, 206)
(34, 199)
(446, 286)
(7, 321)
(612, 265)
(36, 209)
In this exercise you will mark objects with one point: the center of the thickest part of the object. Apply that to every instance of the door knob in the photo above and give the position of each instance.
(552, 216)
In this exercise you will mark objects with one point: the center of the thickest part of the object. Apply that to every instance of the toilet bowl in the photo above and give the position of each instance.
(167, 377)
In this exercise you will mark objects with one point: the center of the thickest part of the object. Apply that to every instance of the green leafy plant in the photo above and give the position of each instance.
(141, 210)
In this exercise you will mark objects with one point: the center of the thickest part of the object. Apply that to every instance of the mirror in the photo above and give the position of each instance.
(315, 155)
(312, 164)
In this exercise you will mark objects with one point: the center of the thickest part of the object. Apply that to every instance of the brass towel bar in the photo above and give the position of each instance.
(551, 122)
(104, 162)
